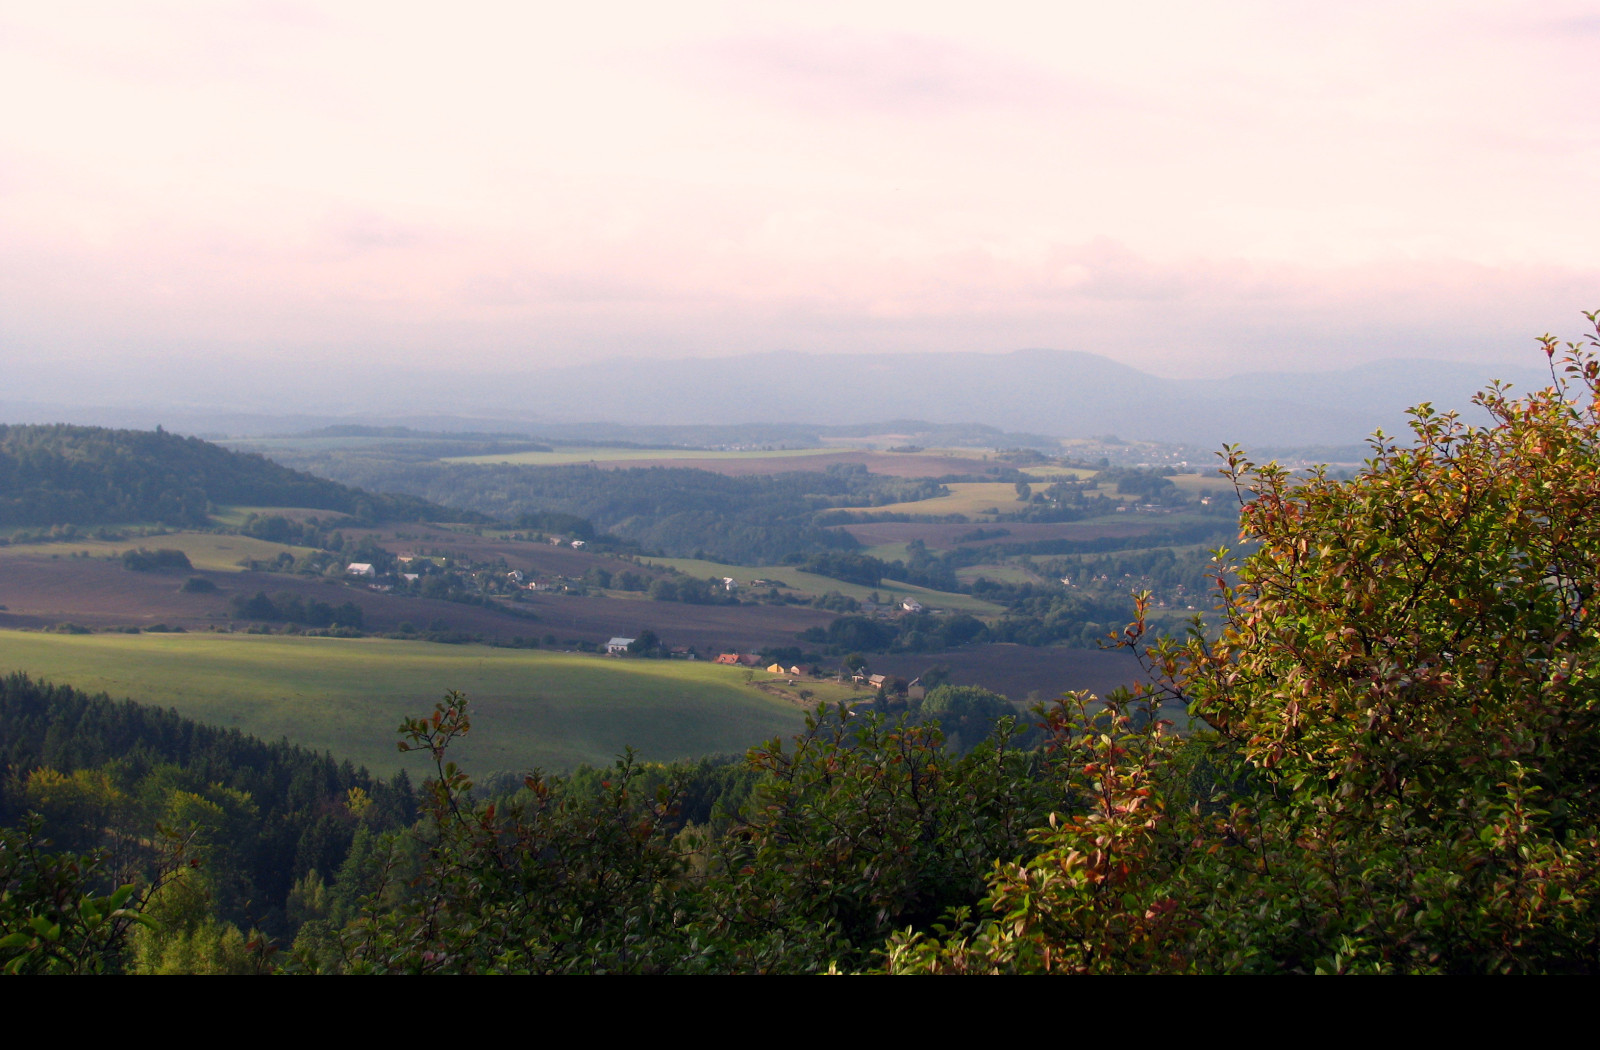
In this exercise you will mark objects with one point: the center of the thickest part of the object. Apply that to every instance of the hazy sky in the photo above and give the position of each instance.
(1186, 187)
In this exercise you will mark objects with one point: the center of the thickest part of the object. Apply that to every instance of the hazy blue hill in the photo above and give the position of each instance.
(792, 398)
(1064, 393)
(60, 474)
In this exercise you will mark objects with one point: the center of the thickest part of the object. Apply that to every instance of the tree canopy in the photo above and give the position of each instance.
(60, 474)
(1400, 769)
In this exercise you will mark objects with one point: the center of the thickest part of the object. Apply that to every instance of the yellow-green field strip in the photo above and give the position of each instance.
(530, 708)
(206, 550)
(812, 585)
(563, 456)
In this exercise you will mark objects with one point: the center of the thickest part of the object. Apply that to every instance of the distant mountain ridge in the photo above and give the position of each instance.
(1057, 392)
(1061, 393)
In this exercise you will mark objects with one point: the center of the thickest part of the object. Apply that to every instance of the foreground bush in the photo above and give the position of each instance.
(1403, 760)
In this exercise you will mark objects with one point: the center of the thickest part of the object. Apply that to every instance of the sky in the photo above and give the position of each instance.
(1193, 189)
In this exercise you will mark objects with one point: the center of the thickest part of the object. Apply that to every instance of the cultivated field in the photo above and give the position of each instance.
(552, 710)
(206, 550)
(972, 498)
(941, 536)
(1009, 572)
(896, 464)
(1050, 471)
(40, 591)
(606, 456)
(235, 516)
(811, 585)
(1212, 484)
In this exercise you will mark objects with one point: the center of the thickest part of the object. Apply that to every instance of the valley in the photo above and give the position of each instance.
(325, 624)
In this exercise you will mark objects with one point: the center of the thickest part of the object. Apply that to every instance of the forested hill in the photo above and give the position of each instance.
(268, 813)
(59, 474)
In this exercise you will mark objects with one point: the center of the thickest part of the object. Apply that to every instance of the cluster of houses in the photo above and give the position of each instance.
(619, 646)
(754, 660)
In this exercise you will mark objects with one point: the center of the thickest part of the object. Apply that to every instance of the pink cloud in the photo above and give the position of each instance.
(898, 73)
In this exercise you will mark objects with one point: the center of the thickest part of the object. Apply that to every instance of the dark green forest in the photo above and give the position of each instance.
(53, 475)
(134, 783)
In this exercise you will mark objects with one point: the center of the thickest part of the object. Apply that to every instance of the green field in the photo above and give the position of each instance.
(812, 585)
(999, 573)
(1050, 470)
(888, 551)
(1203, 484)
(234, 516)
(563, 456)
(972, 498)
(206, 550)
(347, 696)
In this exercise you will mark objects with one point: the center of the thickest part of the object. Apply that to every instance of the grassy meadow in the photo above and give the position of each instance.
(1197, 484)
(530, 708)
(1007, 572)
(812, 585)
(601, 454)
(211, 551)
(1050, 471)
(235, 515)
(972, 498)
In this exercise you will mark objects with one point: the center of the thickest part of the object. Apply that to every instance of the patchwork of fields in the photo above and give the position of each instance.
(927, 464)
(38, 591)
(166, 638)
